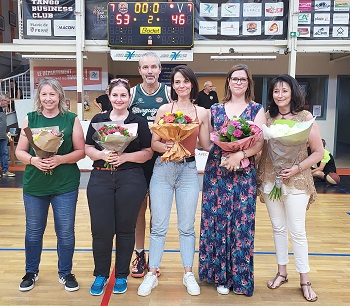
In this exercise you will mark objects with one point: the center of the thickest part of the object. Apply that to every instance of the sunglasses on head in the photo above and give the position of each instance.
(119, 80)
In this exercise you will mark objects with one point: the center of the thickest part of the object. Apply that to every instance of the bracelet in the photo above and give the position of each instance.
(30, 160)
(244, 154)
(300, 168)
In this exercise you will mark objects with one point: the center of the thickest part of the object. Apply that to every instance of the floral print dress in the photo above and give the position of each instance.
(227, 231)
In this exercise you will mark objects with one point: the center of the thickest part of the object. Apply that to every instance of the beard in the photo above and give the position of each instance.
(150, 80)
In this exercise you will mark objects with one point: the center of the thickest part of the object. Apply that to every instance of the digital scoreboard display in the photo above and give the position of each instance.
(150, 24)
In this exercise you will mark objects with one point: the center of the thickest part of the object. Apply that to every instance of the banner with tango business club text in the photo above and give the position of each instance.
(54, 19)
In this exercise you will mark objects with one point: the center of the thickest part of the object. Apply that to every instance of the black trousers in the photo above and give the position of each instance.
(114, 199)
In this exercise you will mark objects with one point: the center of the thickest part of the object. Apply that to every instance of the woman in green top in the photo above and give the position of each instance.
(53, 180)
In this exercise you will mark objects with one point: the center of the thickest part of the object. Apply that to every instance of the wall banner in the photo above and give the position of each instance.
(67, 76)
(96, 19)
(323, 19)
(241, 20)
(164, 55)
(52, 19)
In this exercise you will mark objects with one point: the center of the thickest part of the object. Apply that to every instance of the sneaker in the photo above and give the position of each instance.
(28, 281)
(222, 290)
(9, 174)
(120, 286)
(191, 284)
(139, 265)
(98, 285)
(150, 281)
(69, 281)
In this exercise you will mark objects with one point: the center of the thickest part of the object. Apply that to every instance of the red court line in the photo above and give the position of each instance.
(109, 289)
(343, 171)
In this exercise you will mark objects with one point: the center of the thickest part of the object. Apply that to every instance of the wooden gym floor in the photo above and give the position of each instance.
(328, 228)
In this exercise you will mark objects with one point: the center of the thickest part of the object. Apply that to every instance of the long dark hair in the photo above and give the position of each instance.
(188, 74)
(297, 97)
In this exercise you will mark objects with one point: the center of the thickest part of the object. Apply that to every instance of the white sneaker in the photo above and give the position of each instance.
(222, 290)
(191, 284)
(149, 282)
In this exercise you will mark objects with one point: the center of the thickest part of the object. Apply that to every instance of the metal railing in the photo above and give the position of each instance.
(20, 83)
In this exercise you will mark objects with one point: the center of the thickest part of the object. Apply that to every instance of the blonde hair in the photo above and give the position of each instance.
(62, 106)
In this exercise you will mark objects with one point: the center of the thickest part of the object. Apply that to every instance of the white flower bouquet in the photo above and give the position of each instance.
(284, 139)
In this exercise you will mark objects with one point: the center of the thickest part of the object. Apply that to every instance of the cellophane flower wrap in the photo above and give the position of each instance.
(235, 135)
(175, 127)
(285, 139)
(45, 141)
(114, 136)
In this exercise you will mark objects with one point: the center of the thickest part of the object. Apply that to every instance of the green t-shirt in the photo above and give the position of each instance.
(65, 177)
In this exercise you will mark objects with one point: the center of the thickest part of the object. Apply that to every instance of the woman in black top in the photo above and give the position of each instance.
(115, 196)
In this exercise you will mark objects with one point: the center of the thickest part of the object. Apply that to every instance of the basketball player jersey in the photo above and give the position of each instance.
(147, 105)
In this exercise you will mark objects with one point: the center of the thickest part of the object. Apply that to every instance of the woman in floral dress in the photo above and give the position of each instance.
(229, 197)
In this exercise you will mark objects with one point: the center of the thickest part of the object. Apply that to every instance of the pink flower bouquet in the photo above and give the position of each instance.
(235, 135)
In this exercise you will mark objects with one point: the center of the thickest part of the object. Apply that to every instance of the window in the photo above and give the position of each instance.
(2, 23)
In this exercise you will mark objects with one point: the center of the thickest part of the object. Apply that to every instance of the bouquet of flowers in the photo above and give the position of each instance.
(284, 139)
(45, 141)
(235, 135)
(114, 136)
(175, 127)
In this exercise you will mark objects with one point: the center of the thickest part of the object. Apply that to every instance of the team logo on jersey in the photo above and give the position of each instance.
(159, 99)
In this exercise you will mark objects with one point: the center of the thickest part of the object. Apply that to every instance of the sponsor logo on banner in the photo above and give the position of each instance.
(342, 31)
(274, 28)
(38, 27)
(304, 18)
(208, 28)
(322, 18)
(252, 10)
(274, 9)
(64, 28)
(208, 10)
(323, 5)
(251, 28)
(230, 28)
(341, 18)
(164, 55)
(321, 31)
(230, 10)
(305, 5)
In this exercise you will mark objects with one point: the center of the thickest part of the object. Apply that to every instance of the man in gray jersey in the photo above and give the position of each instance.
(146, 98)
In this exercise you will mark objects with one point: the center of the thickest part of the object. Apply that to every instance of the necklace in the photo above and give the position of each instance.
(284, 114)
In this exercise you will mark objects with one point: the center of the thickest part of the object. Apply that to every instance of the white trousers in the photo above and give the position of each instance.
(288, 215)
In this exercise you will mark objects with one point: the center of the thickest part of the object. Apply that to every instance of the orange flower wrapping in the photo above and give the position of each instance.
(175, 132)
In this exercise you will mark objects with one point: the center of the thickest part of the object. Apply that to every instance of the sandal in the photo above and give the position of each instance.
(308, 285)
(285, 280)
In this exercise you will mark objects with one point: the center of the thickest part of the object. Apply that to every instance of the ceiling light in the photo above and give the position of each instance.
(243, 57)
(51, 56)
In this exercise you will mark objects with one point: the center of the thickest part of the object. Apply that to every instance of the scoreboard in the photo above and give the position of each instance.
(150, 25)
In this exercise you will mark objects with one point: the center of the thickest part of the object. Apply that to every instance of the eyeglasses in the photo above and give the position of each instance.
(242, 80)
(125, 81)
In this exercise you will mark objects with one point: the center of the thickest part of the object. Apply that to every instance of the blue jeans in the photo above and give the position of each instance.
(36, 210)
(4, 155)
(167, 178)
